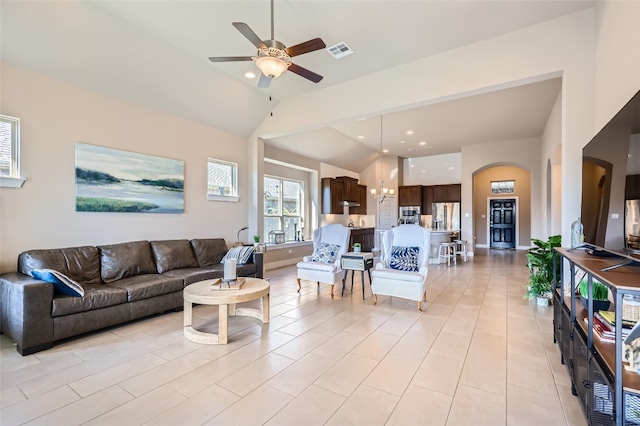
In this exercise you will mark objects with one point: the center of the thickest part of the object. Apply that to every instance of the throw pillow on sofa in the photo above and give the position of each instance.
(61, 283)
(241, 254)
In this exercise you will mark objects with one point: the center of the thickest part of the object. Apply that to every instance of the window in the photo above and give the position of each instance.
(222, 180)
(10, 152)
(503, 187)
(283, 207)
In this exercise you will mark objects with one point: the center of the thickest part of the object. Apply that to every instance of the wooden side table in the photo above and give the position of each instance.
(352, 261)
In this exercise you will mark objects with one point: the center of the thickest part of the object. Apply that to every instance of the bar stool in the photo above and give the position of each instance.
(461, 249)
(447, 251)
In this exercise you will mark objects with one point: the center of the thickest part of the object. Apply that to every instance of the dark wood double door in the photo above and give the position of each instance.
(502, 224)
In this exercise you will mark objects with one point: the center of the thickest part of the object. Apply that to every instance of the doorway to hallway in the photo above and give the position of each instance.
(502, 223)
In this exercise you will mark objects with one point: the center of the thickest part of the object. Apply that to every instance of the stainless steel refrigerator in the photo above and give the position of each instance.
(632, 226)
(446, 217)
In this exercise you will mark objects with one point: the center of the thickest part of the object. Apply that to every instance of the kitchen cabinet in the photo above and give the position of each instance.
(632, 188)
(361, 198)
(427, 200)
(351, 191)
(410, 196)
(364, 236)
(447, 193)
(455, 193)
(335, 191)
(440, 193)
(332, 196)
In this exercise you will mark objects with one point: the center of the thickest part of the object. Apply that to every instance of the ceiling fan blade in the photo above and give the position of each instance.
(303, 72)
(306, 47)
(264, 81)
(249, 34)
(230, 58)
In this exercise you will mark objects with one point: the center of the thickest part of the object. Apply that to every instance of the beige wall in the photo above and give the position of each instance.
(482, 193)
(54, 116)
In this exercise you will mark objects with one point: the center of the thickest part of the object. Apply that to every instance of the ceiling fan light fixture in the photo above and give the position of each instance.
(271, 67)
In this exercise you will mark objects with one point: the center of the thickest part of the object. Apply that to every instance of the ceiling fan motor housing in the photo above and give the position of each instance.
(275, 50)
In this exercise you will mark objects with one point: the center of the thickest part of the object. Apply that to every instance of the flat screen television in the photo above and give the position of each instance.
(611, 163)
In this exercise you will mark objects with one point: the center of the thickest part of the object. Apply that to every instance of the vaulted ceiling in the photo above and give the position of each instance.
(154, 53)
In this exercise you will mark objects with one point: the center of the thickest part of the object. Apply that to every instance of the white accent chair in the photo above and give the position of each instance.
(392, 282)
(325, 272)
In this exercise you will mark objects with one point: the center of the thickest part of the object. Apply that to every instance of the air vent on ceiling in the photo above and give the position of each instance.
(340, 50)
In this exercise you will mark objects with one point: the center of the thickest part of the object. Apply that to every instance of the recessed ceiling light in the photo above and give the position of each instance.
(424, 171)
(360, 137)
(385, 150)
(411, 149)
(413, 165)
(402, 142)
(409, 132)
(250, 74)
(450, 168)
(423, 143)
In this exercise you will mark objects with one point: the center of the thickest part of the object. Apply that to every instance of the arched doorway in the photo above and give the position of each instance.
(502, 206)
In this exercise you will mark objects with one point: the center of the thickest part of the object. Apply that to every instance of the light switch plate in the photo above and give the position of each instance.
(615, 216)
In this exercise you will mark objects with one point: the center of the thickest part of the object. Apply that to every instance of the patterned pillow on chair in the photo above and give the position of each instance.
(325, 253)
(404, 258)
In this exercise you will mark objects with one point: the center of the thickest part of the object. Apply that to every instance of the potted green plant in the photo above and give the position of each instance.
(540, 264)
(257, 245)
(600, 294)
(357, 247)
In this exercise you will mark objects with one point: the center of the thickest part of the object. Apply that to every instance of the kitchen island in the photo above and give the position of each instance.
(438, 237)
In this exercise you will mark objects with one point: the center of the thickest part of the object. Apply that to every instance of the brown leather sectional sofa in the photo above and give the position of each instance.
(122, 282)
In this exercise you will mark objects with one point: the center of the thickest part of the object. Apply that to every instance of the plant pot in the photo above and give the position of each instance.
(598, 305)
(542, 301)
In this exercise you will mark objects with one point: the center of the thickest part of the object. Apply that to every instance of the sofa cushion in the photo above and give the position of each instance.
(81, 264)
(209, 251)
(96, 296)
(173, 254)
(141, 287)
(242, 255)
(61, 283)
(125, 260)
(192, 275)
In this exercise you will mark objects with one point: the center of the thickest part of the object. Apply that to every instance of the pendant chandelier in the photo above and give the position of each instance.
(381, 193)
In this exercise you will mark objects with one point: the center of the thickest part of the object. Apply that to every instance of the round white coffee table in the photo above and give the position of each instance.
(202, 293)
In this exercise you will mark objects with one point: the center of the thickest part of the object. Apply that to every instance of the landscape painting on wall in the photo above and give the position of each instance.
(111, 180)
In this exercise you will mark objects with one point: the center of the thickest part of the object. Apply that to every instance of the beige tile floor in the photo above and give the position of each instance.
(478, 355)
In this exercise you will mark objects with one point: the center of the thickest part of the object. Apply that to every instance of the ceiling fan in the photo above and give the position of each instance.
(273, 57)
